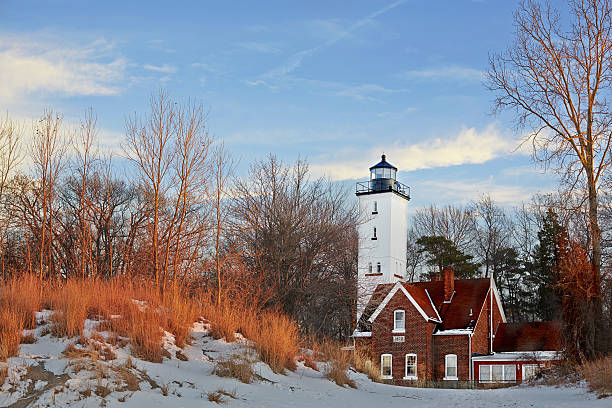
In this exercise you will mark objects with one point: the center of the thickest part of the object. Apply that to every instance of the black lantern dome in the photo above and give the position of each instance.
(383, 179)
(383, 170)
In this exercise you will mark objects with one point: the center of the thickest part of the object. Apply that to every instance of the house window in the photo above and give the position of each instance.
(378, 268)
(411, 367)
(451, 367)
(496, 373)
(484, 373)
(385, 366)
(369, 267)
(399, 321)
(509, 373)
(375, 208)
(529, 371)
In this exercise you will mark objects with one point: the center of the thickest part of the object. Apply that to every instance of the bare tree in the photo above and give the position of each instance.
(47, 152)
(493, 231)
(10, 157)
(86, 156)
(557, 79)
(453, 223)
(150, 147)
(222, 171)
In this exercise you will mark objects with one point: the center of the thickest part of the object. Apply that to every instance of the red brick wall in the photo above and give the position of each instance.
(417, 339)
(458, 345)
(480, 340)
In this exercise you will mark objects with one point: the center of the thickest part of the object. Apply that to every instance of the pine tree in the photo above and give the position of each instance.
(441, 253)
(543, 274)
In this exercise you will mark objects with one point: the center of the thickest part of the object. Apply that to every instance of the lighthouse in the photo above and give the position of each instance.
(382, 231)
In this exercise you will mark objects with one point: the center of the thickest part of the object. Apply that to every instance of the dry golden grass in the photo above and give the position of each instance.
(338, 362)
(139, 312)
(23, 295)
(276, 336)
(362, 363)
(308, 361)
(28, 339)
(3, 374)
(277, 341)
(215, 397)
(11, 328)
(69, 301)
(599, 376)
(238, 366)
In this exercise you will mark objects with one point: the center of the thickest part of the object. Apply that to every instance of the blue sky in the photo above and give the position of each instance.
(336, 82)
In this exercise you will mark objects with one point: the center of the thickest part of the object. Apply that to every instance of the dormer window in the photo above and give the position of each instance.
(375, 208)
(374, 237)
(399, 321)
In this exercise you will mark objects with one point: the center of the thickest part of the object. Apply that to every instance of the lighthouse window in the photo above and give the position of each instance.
(378, 267)
(374, 232)
(370, 267)
(375, 209)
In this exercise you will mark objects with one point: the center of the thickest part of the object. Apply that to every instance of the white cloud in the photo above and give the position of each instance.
(470, 146)
(160, 68)
(454, 72)
(34, 67)
(464, 191)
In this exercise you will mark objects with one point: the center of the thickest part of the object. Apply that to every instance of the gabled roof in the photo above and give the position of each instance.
(529, 336)
(417, 296)
(381, 291)
(469, 296)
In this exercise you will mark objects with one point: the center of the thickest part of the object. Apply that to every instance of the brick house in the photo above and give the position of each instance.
(450, 330)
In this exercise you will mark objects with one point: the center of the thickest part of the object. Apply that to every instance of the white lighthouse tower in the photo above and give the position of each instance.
(382, 231)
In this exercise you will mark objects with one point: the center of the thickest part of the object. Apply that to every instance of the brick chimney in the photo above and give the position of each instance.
(449, 283)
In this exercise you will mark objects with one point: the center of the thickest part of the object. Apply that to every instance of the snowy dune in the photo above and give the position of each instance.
(43, 376)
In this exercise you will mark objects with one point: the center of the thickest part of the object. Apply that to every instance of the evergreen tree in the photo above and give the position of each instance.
(543, 274)
(441, 253)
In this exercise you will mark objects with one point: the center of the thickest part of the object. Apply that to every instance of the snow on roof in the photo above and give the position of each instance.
(453, 332)
(521, 356)
(361, 334)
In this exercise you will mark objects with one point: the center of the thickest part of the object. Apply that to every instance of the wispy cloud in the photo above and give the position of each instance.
(31, 66)
(469, 146)
(261, 47)
(367, 92)
(295, 60)
(364, 92)
(453, 72)
(165, 68)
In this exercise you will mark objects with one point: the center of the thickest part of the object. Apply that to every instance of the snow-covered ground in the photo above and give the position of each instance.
(43, 376)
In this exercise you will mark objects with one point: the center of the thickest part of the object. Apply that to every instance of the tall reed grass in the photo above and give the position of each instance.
(138, 312)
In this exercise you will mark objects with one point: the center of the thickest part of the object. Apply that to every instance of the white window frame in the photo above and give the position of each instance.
(535, 368)
(416, 365)
(390, 376)
(491, 380)
(395, 328)
(446, 366)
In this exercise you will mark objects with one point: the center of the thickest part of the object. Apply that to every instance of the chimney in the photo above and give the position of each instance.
(449, 283)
